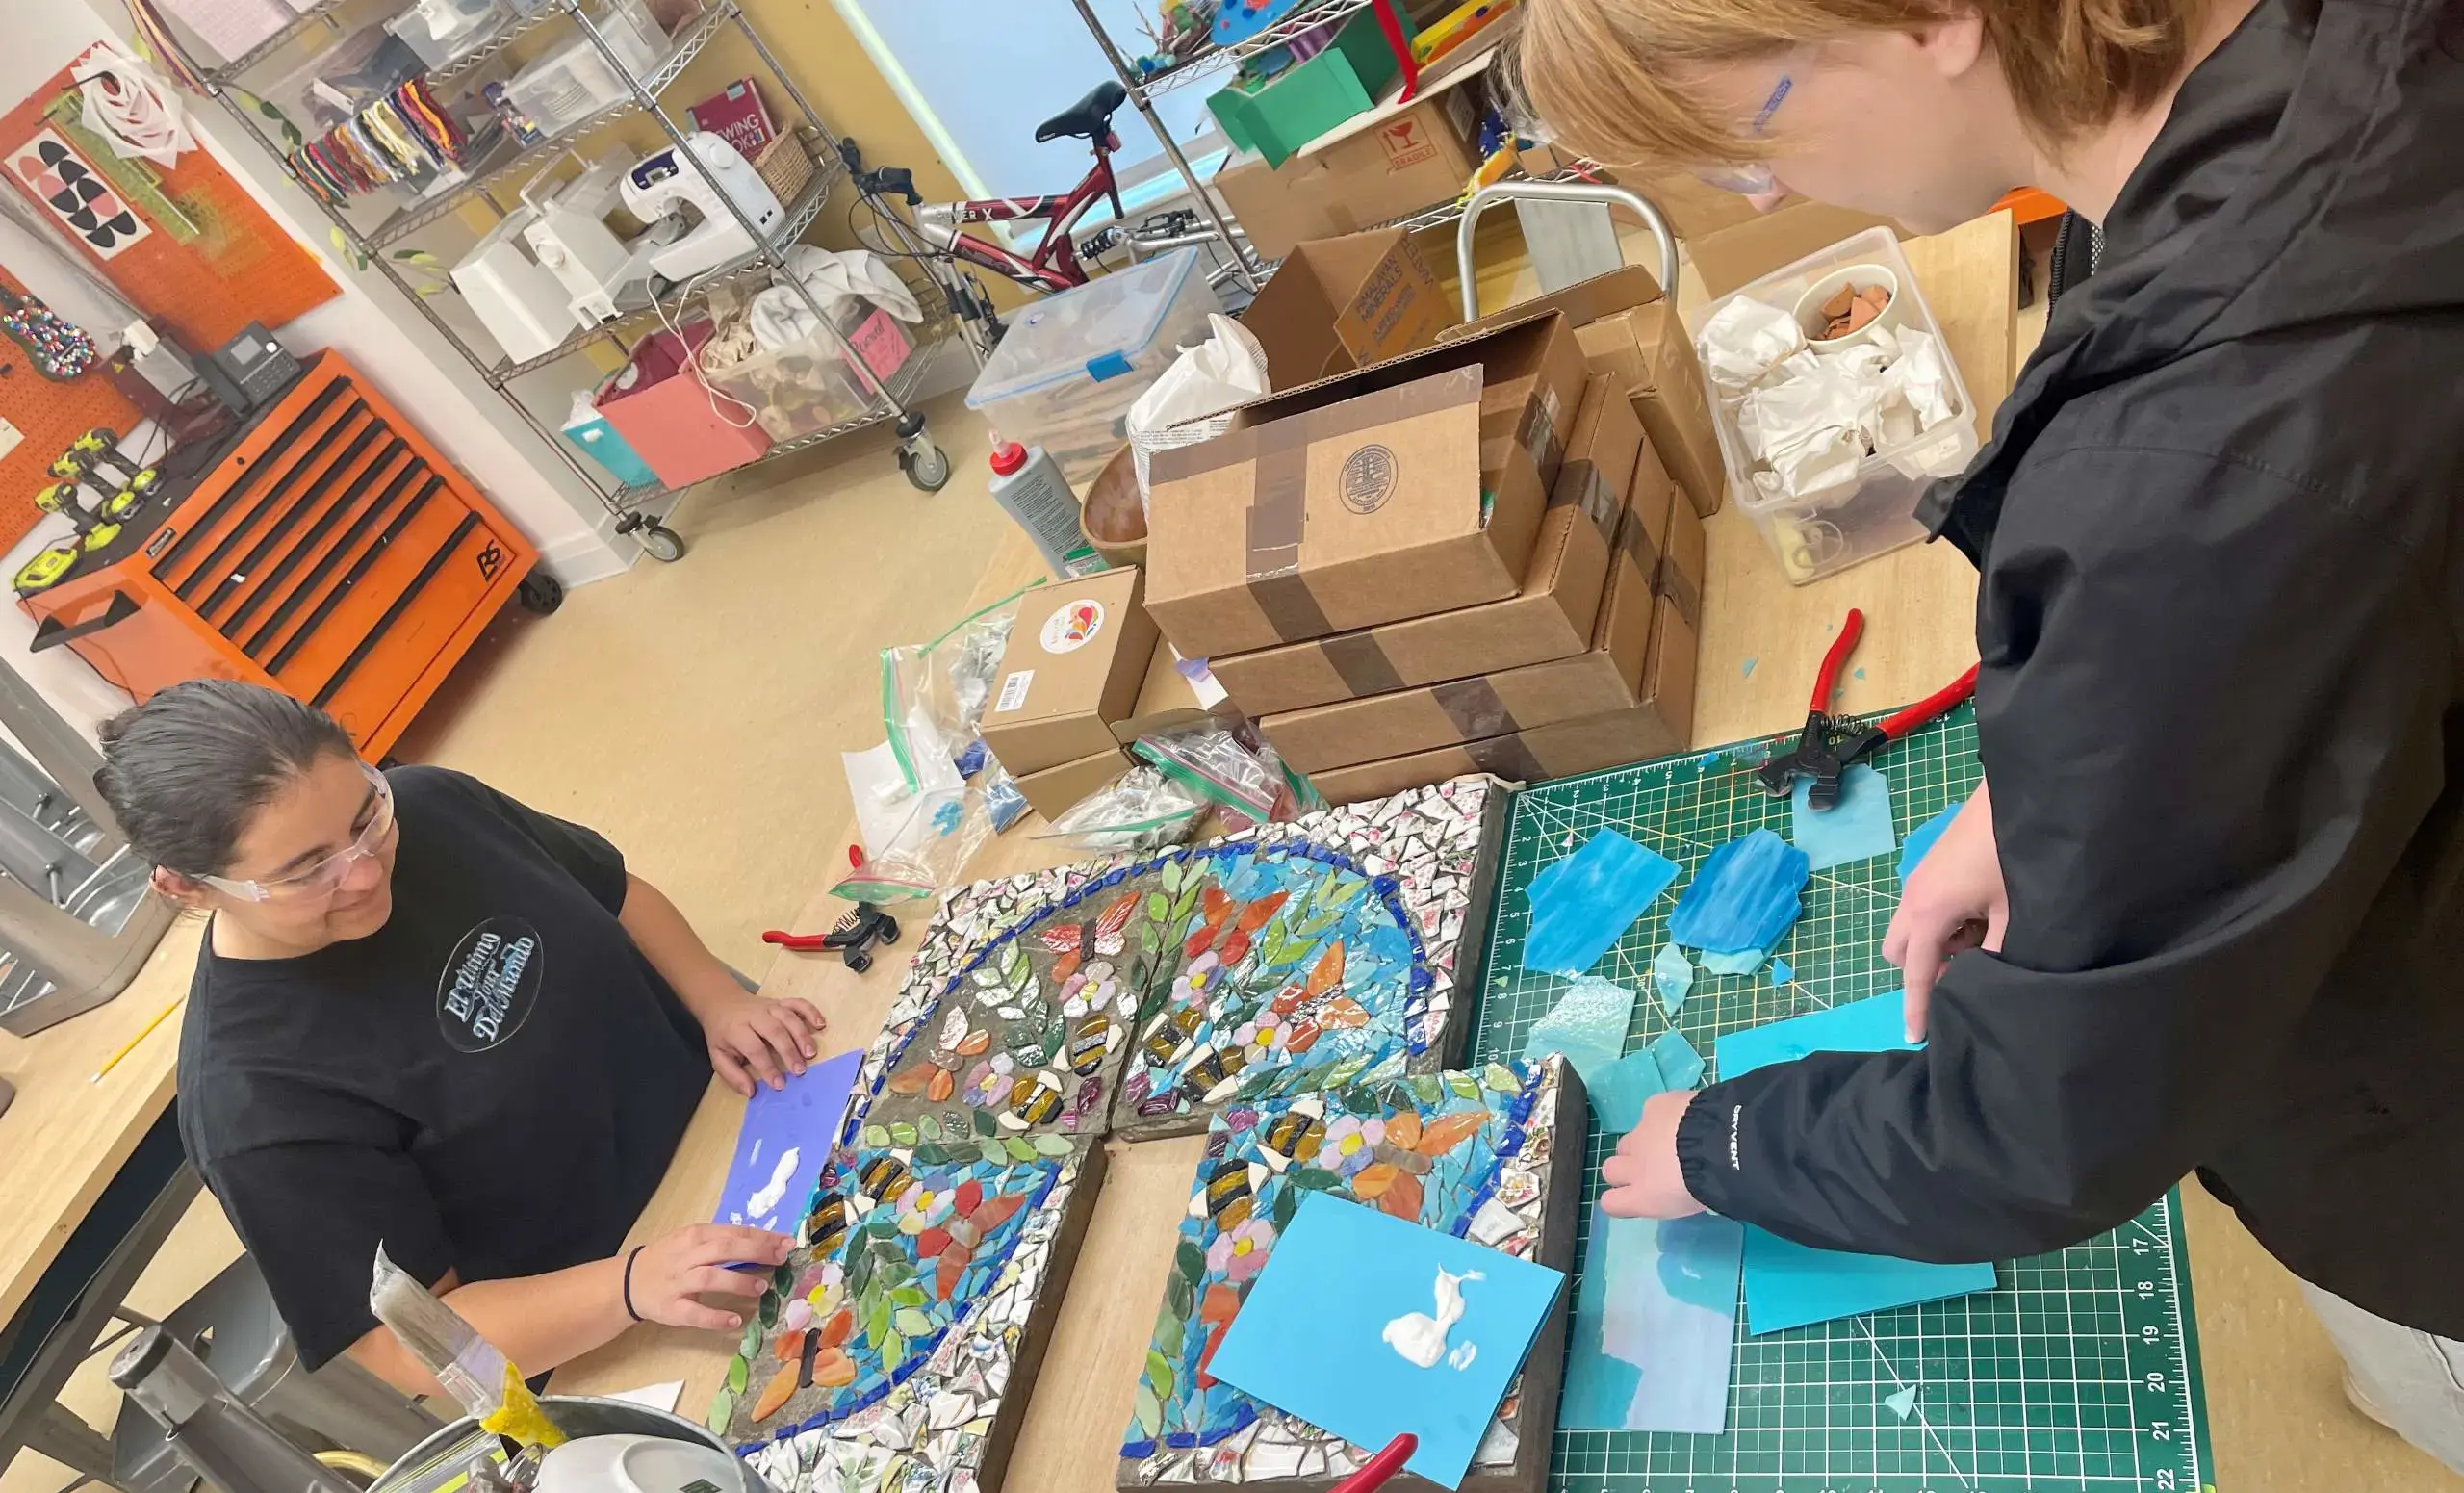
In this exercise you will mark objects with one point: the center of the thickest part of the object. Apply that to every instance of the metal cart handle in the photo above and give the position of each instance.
(1559, 191)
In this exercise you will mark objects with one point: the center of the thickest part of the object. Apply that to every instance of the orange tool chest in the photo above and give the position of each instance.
(326, 550)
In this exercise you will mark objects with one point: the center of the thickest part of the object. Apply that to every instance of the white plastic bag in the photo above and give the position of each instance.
(1229, 369)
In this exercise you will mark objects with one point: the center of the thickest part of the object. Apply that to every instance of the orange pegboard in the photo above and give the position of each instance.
(47, 416)
(193, 250)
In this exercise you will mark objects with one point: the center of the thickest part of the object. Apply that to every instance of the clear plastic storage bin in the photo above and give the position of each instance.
(808, 386)
(1814, 534)
(1071, 365)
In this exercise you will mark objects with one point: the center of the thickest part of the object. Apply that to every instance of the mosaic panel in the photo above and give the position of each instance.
(1475, 1154)
(1289, 957)
(883, 1354)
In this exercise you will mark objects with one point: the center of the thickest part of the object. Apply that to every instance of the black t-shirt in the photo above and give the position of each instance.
(492, 1083)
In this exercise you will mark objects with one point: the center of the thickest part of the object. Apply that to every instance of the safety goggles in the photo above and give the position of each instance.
(327, 877)
(1751, 178)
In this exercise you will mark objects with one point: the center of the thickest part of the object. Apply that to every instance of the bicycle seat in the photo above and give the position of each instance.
(1088, 118)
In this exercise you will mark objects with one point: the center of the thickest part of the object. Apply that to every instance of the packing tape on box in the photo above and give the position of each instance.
(1635, 541)
(1360, 664)
(1580, 481)
(1667, 579)
(1538, 433)
(1473, 707)
(1506, 757)
(1278, 511)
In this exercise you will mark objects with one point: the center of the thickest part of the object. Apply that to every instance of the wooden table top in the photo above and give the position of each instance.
(1919, 605)
(65, 1136)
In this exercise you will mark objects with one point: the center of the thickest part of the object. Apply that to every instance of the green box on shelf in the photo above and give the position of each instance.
(1275, 117)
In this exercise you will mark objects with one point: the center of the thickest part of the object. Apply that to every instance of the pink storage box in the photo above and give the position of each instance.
(672, 421)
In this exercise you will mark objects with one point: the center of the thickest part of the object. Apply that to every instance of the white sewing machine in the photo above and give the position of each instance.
(664, 185)
(571, 238)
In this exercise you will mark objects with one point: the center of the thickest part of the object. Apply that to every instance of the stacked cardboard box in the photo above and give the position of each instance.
(1383, 165)
(1630, 332)
(1316, 556)
(1077, 663)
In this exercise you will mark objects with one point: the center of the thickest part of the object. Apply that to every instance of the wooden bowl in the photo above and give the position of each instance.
(1112, 515)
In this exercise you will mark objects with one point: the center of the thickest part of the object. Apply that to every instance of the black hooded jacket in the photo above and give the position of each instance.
(2221, 713)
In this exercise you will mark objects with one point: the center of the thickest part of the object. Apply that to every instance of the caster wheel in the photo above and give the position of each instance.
(661, 543)
(859, 962)
(540, 593)
(890, 932)
(927, 466)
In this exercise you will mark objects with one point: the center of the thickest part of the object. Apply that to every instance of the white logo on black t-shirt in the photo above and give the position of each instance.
(488, 985)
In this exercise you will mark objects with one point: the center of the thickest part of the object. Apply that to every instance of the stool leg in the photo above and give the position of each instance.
(71, 1443)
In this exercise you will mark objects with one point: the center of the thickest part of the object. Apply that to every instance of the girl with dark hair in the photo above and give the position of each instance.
(427, 1017)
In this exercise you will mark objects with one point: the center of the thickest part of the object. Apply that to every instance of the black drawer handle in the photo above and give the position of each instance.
(50, 634)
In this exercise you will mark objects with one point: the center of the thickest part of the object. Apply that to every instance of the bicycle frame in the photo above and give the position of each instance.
(1054, 265)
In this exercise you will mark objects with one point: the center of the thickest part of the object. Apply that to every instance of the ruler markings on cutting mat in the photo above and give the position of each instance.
(2080, 1371)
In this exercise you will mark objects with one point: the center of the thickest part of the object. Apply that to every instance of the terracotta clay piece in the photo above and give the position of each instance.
(1851, 310)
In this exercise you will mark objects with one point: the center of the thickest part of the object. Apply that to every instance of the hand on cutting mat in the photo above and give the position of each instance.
(675, 1271)
(757, 1041)
(1955, 902)
(1643, 1178)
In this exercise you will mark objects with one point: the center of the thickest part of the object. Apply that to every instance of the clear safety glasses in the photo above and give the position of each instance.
(1751, 178)
(324, 878)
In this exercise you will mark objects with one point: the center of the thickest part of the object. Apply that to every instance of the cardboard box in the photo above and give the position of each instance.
(1675, 555)
(1629, 330)
(1658, 722)
(1603, 454)
(1075, 663)
(1388, 165)
(1338, 305)
(1360, 500)
(1170, 699)
(1746, 251)
(1550, 618)
(1607, 675)
(1052, 791)
(1535, 756)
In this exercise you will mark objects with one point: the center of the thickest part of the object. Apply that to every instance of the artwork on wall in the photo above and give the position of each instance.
(1493, 1156)
(890, 1346)
(80, 200)
(185, 243)
(1144, 995)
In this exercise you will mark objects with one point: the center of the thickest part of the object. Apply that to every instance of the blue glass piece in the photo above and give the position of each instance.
(1587, 1024)
(1856, 828)
(1746, 896)
(1680, 1066)
(1672, 976)
(1920, 839)
(1592, 898)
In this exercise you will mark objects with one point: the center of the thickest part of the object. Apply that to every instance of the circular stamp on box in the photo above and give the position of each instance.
(1369, 479)
(1073, 625)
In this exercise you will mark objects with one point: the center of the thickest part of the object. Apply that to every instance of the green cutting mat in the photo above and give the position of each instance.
(2080, 1371)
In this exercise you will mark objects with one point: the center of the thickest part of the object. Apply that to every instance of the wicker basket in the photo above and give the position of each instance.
(787, 165)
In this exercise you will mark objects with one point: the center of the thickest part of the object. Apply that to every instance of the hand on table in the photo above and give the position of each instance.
(1955, 902)
(1643, 1178)
(752, 1040)
(675, 1271)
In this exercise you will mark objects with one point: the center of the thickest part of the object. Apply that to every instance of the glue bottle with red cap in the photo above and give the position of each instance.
(1029, 486)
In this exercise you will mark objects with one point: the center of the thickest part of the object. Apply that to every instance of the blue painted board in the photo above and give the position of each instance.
(1310, 1336)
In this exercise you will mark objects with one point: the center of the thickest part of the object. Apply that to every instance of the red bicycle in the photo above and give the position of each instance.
(1058, 260)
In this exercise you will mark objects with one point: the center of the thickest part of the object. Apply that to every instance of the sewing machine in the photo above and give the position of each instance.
(521, 304)
(571, 239)
(663, 185)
